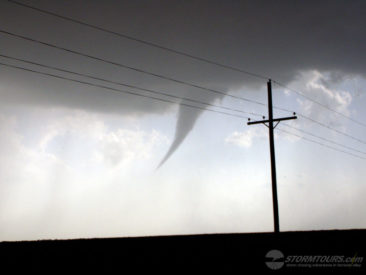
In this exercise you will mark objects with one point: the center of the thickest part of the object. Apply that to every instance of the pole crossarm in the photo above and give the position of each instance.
(273, 120)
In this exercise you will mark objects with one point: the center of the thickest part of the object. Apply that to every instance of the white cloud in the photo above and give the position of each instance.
(27, 180)
(87, 134)
(323, 88)
(78, 123)
(245, 139)
(123, 146)
(42, 187)
(313, 85)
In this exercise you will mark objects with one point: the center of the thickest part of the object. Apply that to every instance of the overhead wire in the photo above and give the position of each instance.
(320, 143)
(119, 90)
(318, 103)
(331, 128)
(182, 53)
(131, 68)
(128, 85)
(129, 37)
(323, 138)
(167, 101)
(180, 82)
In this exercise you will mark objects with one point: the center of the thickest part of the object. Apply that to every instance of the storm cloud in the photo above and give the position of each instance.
(278, 39)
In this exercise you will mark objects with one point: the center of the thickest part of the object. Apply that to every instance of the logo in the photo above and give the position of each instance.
(275, 259)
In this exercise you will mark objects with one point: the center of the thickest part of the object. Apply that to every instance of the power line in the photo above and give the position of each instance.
(319, 143)
(169, 95)
(174, 80)
(121, 91)
(319, 103)
(331, 128)
(323, 125)
(128, 85)
(164, 100)
(140, 40)
(131, 68)
(322, 138)
(182, 53)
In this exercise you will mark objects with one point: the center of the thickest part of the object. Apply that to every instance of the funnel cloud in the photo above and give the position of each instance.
(186, 121)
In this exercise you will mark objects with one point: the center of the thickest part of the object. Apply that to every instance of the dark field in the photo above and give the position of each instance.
(224, 253)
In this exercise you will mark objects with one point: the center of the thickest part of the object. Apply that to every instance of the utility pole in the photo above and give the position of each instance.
(270, 126)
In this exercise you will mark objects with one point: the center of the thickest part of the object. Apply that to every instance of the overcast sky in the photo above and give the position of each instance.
(81, 161)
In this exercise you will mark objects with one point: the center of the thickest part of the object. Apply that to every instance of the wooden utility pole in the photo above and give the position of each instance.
(270, 126)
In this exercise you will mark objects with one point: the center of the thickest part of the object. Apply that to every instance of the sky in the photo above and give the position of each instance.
(82, 161)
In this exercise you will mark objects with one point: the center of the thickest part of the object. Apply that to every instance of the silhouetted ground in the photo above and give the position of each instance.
(224, 253)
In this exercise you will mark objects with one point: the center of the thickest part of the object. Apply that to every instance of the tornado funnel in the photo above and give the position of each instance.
(187, 117)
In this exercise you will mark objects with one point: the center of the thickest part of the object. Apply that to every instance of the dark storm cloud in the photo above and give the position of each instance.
(272, 38)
